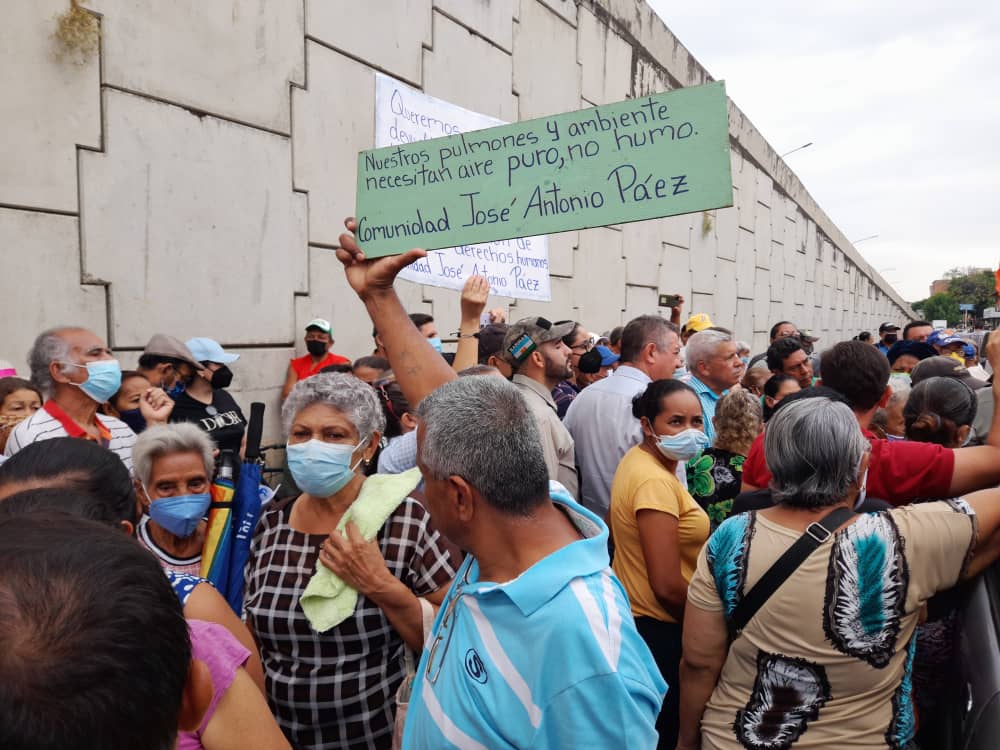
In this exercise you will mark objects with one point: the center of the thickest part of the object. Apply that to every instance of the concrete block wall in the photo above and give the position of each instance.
(191, 176)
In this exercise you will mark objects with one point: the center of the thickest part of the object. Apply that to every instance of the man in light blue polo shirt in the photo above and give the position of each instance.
(714, 367)
(535, 645)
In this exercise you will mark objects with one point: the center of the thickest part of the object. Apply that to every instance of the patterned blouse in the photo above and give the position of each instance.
(714, 480)
(336, 689)
(827, 661)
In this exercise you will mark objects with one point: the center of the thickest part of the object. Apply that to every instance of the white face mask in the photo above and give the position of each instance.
(684, 445)
(863, 494)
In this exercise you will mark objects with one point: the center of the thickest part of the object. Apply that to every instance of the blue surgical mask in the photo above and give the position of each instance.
(745, 361)
(321, 469)
(134, 419)
(684, 445)
(176, 389)
(104, 378)
(436, 343)
(180, 514)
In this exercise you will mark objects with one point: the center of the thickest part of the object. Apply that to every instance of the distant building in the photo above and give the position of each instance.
(939, 287)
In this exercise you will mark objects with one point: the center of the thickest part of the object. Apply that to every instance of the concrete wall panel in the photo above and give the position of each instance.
(258, 376)
(649, 78)
(566, 9)
(562, 249)
(564, 296)
(704, 248)
(327, 136)
(223, 241)
(386, 35)
(491, 18)
(546, 73)
(175, 51)
(745, 264)
(725, 294)
(675, 273)
(48, 106)
(642, 247)
(40, 284)
(605, 61)
(762, 299)
(744, 327)
(727, 231)
(641, 300)
(600, 296)
(447, 70)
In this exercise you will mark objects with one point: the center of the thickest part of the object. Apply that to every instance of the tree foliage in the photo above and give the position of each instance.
(941, 306)
(966, 286)
(976, 289)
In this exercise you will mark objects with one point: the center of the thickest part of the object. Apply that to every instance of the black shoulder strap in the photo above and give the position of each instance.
(816, 533)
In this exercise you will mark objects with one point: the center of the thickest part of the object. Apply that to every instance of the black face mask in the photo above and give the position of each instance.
(316, 348)
(222, 378)
(891, 338)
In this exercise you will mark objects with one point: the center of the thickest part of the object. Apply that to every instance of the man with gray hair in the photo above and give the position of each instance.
(714, 366)
(535, 628)
(535, 644)
(600, 418)
(77, 373)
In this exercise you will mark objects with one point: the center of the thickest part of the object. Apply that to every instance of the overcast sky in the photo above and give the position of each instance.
(901, 101)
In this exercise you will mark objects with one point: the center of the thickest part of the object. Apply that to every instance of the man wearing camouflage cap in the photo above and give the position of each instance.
(535, 350)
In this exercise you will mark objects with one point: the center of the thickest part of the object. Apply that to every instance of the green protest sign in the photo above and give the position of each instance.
(659, 155)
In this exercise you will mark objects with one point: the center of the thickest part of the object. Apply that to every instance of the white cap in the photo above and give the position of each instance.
(323, 325)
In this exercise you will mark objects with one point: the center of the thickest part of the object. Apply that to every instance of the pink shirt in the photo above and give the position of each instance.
(223, 655)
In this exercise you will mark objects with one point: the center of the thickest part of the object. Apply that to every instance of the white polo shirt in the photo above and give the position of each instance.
(52, 422)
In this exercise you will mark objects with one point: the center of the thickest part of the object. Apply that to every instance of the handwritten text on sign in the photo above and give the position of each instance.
(515, 267)
(656, 156)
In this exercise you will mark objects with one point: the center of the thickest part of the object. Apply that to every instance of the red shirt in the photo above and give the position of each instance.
(899, 471)
(304, 367)
(73, 429)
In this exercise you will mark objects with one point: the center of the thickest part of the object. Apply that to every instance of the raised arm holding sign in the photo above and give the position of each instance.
(418, 367)
(660, 155)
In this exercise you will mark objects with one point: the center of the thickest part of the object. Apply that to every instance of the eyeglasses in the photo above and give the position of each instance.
(445, 631)
(586, 346)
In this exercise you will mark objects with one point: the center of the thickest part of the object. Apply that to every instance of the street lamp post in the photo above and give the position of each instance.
(804, 145)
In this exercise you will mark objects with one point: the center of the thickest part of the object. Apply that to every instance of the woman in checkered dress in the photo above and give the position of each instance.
(336, 689)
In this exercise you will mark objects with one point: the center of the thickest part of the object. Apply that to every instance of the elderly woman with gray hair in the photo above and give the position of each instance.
(331, 678)
(173, 467)
(816, 651)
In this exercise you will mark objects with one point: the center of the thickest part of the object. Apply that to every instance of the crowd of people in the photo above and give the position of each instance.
(650, 537)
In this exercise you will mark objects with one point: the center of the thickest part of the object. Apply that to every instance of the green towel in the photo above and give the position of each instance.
(327, 600)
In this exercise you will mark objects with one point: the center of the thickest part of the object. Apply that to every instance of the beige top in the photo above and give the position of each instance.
(827, 661)
(557, 443)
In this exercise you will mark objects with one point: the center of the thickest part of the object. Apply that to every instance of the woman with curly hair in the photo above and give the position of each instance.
(715, 476)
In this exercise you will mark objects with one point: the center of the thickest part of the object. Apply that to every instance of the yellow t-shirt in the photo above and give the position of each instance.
(641, 482)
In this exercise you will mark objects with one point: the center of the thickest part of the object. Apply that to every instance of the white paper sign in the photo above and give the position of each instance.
(515, 268)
